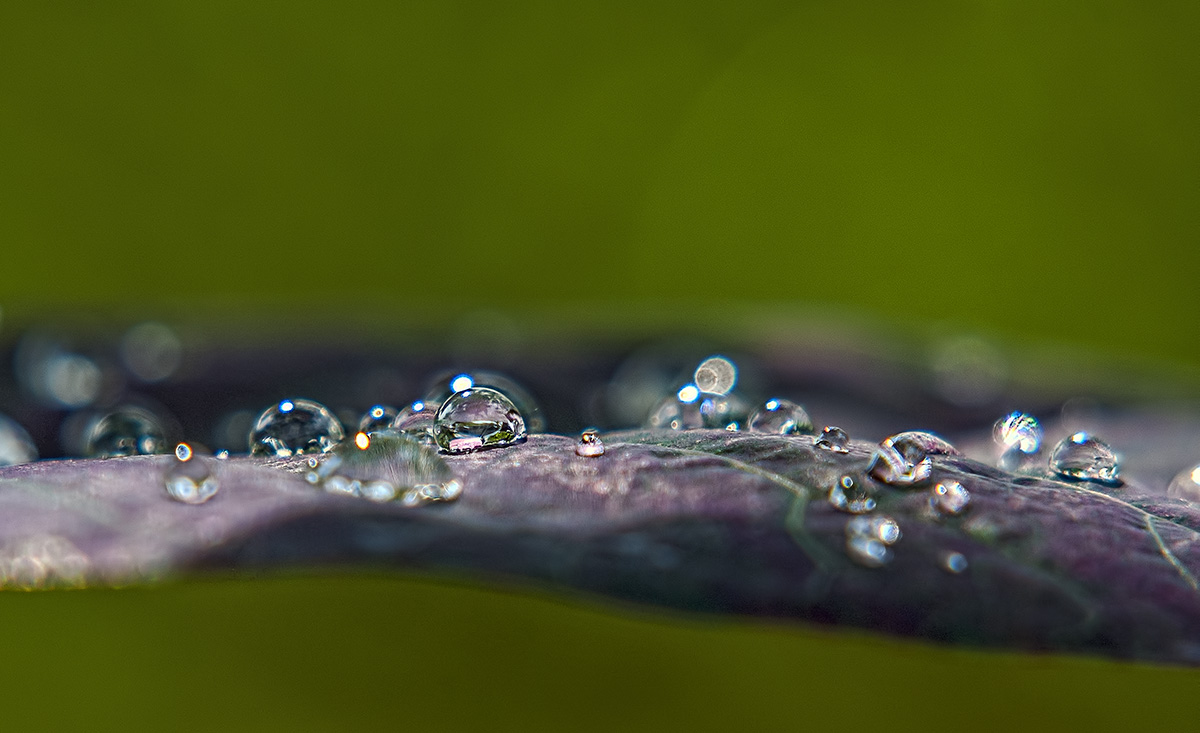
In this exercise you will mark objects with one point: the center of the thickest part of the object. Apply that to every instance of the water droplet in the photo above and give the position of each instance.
(443, 386)
(715, 375)
(294, 427)
(379, 417)
(1082, 457)
(15, 444)
(478, 418)
(385, 466)
(903, 459)
(912, 442)
(689, 408)
(833, 439)
(868, 539)
(780, 417)
(1186, 485)
(589, 445)
(851, 496)
(1019, 436)
(950, 498)
(189, 478)
(126, 431)
(954, 562)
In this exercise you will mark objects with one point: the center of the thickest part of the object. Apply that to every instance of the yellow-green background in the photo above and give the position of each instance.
(1027, 170)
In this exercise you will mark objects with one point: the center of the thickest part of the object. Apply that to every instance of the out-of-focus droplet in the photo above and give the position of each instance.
(416, 421)
(968, 371)
(780, 417)
(1082, 457)
(385, 466)
(954, 562)
(378, 417)
(852, 496)
(56, 376)
(126, 431)
(1186, 485)
(949, 498)
(589, 445)
(833, 439)
(189, 478)
(903, 459)
(151, 351)
(295, 427)
(1019, 436)
(690, 408)
(442, 387)
(478, 418)
(715, 375)
(868, 539)
(15, 444)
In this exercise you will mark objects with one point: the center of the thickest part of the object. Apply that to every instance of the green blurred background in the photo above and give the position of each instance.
(1024, 170)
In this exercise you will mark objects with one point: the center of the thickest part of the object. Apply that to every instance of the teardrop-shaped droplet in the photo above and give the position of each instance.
(189, 478)
(295, 427)
(780, 417)
(690, 408)
(949, 498)
(852, 496)
(1082, 457)
(385, 466)
(833, 439)
(447, 383)
(1186, 485)
(478, 418)
(15, 444)
(126, 431)
(378, 417)
(868, 539)
(589, 445)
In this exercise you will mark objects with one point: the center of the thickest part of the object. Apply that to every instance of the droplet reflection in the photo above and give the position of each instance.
(295, 427)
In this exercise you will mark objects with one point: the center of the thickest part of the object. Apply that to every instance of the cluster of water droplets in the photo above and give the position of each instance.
(1078, 457)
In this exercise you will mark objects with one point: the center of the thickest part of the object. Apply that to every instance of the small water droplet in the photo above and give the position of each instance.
(834, 439)
(950, 498)
(222, 455)
(295, 427)
(849, 495)
(443, 386)
(1019, 436)
(589, 445)
(416, 421)
(780, 417)
(387, 466)
(715, 375)
(15, 444)
(903, 459)
(478, 418)
(868, 539)
(189, 478)
(126, 431)
(1186, 485)
(1082, 457)
(378, 417)
(954, 562)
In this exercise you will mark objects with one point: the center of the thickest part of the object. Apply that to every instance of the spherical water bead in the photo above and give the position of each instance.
(416, 421)
(849, 495)
(126, 431)
(715, 375)
(1084, 458)
(780, 417)
(478, 418)
(589, 445)
(1019, 436)
(690, 408)
(378, 417)
(1186, 485)
(833, 439)
(903, 459)
(868, 539)
(949, 498)
(15, 444)
(385, 466)
(189, 478)
(295, 427)
(440, 389)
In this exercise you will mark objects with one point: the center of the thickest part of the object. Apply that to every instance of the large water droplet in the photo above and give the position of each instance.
(478, 418)
(445, 385)
(126, 431)
(386, 466)
(868, 539)
(690, 408)
(1186, 485)
(834, 439)
(189, 478)
(15, 444)
(589, 445)
(850, 495)
(949, 498)
(903, 459)
(294, 427)
(378, 417)
(1082, 457)
(780, 417)
(715, 375)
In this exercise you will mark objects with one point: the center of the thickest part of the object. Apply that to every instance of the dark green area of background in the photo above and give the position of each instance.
(1023, 169)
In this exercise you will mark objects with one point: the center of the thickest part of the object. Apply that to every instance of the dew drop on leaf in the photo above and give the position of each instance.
(477, 418)
(589, 445)
(385, 466)
(378, 417)
(868, 539)
(188, 477)
(126, 431)
(416, 421)
(903, 459)
(1186, 485)
(780, 417)
(849, 495)
(295, 427)
(949, 498)
(834, 439)
(15, 444)
(1082, 457)
(443, 386)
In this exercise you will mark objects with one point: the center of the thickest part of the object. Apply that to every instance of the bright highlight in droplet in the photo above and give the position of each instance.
(716, 375)
(689, 393)
(362, 440)
(287, 406)
(183, 452)
(461, 382)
